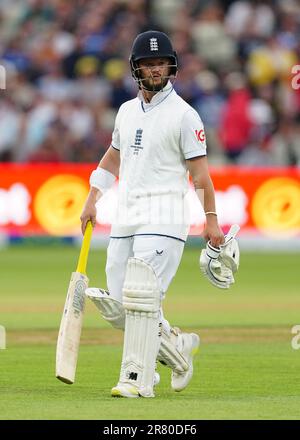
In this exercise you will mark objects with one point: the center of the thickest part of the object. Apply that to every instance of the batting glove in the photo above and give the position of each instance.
(219, 264)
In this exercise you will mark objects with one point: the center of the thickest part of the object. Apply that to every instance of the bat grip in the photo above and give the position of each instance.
(84, 251)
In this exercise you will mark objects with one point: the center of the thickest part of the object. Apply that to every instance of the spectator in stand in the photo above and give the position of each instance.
(67, 74)
(235, 120)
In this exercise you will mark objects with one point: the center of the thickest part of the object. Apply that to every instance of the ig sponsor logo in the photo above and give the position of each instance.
(296, 78)
(2, 338)
(2, 78)
(200, 135)
(295, 342)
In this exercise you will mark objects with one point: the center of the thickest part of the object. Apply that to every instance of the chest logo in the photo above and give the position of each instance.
(138, 141)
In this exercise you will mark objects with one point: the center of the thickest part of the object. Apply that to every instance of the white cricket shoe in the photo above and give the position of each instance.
(125, 390)
(128, 390)
(189, 345)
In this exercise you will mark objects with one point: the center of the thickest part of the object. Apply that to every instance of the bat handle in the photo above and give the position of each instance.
(84, 251)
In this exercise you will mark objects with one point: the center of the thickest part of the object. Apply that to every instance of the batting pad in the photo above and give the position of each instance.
(141, 300)
(110, 309)
(169, 353)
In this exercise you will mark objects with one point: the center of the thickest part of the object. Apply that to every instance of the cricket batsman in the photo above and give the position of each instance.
(158, 139)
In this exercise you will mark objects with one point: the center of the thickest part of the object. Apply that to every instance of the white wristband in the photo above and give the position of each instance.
(211, 212)
(102, 179)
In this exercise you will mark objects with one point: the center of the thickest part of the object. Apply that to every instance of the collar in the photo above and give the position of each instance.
(157, 98)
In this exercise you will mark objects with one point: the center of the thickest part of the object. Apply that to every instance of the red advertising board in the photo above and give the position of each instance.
(48, 199)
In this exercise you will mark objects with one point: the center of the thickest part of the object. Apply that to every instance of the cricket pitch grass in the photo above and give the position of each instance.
(246, 367)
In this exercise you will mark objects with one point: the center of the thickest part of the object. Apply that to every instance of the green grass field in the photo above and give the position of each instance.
(246, 368)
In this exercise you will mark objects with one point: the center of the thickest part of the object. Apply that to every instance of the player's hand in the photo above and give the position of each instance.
(213, 233)
(89, 212)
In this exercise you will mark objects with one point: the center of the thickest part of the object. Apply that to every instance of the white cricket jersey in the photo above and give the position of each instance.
(154, 140)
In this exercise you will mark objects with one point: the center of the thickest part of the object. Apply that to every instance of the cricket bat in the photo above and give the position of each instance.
(71, 321)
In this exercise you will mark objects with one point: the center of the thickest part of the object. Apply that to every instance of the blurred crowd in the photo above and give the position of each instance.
(67, 73)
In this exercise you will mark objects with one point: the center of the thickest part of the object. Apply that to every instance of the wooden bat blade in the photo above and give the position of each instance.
(70, 329)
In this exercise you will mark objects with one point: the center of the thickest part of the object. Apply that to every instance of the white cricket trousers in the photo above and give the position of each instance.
(162, 253)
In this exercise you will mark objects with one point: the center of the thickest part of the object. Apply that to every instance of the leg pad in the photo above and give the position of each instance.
(111, 309)
(141, 300)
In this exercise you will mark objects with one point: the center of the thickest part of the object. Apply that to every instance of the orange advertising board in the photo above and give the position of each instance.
(43, 199)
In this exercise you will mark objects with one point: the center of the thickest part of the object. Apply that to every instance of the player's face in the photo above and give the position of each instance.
(154, 72)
